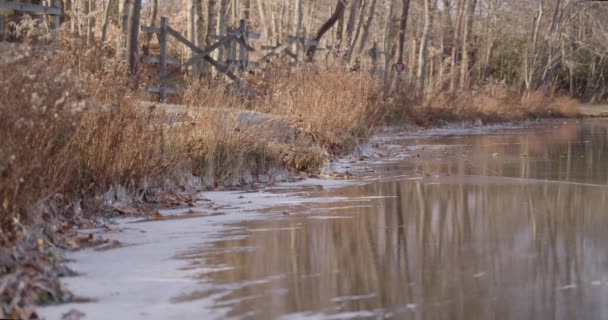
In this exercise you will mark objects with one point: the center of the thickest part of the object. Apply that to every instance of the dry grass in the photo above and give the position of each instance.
(39, 113)
(492, 103)
(120, 144)
(335, 106)
(209, 94)
(212, 146)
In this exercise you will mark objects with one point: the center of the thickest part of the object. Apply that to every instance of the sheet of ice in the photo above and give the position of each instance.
(140, 279)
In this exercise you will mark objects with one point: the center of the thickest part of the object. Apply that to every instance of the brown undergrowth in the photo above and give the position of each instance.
(335, 106)
(493, 103)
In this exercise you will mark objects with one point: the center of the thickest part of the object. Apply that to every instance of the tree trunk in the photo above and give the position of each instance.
(106, 21)
(547, 65)
(530, 55)
(211, 21)
(402, 28)
(265, 31)
(445, 45)
(352, 19)
(367, 25)
(274, 32)
(340, 29)
(388, 40)
(133, 31)
(423, 56)
(123, 12)
(468, 26)
(90, 23)
(221, 26)
(191, 21)
(338, 12)
(455, 47)
(353, 42)
(486, 67)
(297, 26)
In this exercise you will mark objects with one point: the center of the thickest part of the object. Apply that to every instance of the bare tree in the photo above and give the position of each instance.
(405, 7)
(338, 12)
(388, 46)
(133, 31)
(123, 12)
(468, 26)
(367, 25)
(423, 56)
(106, 20)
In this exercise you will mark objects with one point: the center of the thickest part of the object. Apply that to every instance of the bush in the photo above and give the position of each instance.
(40, 110)
(335, 106)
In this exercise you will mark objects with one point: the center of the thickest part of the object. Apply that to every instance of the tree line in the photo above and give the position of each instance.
(425, 46)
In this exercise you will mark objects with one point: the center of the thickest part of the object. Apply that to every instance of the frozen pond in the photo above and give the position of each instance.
(498, 224)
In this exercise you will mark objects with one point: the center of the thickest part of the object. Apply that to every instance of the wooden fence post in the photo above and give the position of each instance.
(162, 66)
(231, 57)
(56, 21)
(374, 56)
(242, 48)
(132, 33)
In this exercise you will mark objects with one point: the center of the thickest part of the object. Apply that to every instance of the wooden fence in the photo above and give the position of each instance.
(233, 59)
(234, 37)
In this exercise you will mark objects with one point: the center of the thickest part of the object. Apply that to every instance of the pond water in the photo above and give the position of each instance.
(511, 224)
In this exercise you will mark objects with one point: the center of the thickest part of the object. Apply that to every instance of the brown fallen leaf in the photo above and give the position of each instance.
(110, 244)
(127, 210)
(157, 216)
(73, 314)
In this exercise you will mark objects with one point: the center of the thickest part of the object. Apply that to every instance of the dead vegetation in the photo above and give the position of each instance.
(492, 103)
(335, 106)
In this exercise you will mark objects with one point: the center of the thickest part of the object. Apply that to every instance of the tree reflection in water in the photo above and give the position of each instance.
(459, 245)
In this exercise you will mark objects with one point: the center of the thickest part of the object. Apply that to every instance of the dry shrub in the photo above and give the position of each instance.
(209, 94)
(539, 104)
(535, 102)
(336, 107)
(565, 106)
(39, 113)
(490, 103)
(215, 148)
(120, 144)
(67, 130)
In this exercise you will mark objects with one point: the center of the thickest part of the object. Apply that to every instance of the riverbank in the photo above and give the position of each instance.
(81, 149)
(156, 274)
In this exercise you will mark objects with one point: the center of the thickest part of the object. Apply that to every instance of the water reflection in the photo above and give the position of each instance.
(441, 246)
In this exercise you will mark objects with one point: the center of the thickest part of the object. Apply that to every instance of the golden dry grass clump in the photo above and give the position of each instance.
(491, 103)
(211, 145)
(335, 106)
